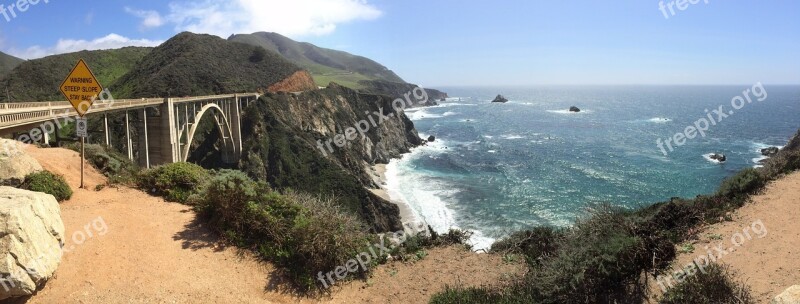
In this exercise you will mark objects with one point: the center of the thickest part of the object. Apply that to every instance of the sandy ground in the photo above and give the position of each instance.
(125, 246)
(769, 259)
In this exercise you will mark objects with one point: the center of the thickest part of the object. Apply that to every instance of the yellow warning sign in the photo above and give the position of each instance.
(81, 88)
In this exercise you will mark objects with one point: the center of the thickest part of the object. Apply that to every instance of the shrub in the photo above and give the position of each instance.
(715, 285)
(301, 233)
(48, 182)
(747, 182)
(534, 245)
(175, 182)
(117, 167)
(785, 162)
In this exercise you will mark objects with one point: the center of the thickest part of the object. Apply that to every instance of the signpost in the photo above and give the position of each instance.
(81, 88)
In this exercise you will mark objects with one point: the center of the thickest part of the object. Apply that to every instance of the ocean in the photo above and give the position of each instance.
(499, 168)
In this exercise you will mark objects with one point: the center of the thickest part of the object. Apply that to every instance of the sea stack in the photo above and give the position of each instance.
(500, 99)
(574, 109)
(719, 157)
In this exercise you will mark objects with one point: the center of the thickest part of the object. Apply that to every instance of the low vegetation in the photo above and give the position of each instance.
(175, 182)
(604, 257)
(48, 182)
(115, 166)
(715, 285)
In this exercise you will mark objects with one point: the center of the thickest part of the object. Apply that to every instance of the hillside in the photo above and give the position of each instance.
(39, 79)
(8, 63)
(325, 65)
(191, 64)
(282, 131)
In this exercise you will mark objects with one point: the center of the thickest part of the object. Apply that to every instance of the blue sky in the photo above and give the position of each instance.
(448, 42)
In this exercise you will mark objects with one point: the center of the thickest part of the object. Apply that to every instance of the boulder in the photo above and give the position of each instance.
(30, 247)
(719, 157)
(15, 164)
(770, 152)
(431, 138)
(500, 99)
(574, 109)
(790, 296)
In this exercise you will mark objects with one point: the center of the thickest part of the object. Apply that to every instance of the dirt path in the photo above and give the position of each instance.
(128, 247)
(769, 259)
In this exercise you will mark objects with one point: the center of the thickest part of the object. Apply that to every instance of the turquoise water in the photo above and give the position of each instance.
(499, 168)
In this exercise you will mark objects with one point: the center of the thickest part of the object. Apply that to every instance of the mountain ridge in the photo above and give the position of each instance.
(326, 65)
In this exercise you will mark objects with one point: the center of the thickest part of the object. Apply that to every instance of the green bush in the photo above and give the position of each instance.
(713, 286)
(48, 182)
(117, 167)
(301, 233)
(176, 182)
(747, 182)
(535, 244)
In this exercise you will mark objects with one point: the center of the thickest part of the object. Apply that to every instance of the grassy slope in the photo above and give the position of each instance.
(39, 80)
(191, 64)
(8, 63)
(326, 65)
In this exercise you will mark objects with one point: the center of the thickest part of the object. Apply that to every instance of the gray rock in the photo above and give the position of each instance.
(500, 99)
(15, 164)
(790, 296)
(30, 247)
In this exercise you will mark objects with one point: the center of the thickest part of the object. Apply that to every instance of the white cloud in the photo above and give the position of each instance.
(150, 19)
(111, 41)
(290, 18)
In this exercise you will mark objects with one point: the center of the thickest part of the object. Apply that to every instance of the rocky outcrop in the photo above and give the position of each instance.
(719, 157)
(298, 82)
(790, 296)
(794, 143)
(30, 248)
(574, 109)
(15, 164)
(500, 99)
(770, 152)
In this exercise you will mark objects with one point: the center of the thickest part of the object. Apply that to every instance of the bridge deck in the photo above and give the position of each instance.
(14, 115)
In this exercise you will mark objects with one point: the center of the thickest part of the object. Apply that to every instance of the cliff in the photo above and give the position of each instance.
(398, 89)
(286, 138)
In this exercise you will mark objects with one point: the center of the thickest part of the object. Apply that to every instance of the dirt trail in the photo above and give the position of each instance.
(769, 260)
(141, 249)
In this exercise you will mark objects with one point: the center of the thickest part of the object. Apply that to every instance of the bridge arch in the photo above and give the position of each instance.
(221, 120)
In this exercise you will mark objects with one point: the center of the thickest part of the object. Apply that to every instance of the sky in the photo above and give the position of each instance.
(458, 42)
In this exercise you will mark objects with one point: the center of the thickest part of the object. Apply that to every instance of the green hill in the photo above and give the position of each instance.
(325, 65)
(191, 64)
(8, 63)
(39, 79)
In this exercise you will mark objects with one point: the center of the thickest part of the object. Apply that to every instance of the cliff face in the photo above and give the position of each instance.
(794, 143)
(297, 82)
(290, 141)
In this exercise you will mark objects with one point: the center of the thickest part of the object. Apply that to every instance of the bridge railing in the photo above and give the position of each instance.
(24, 113)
